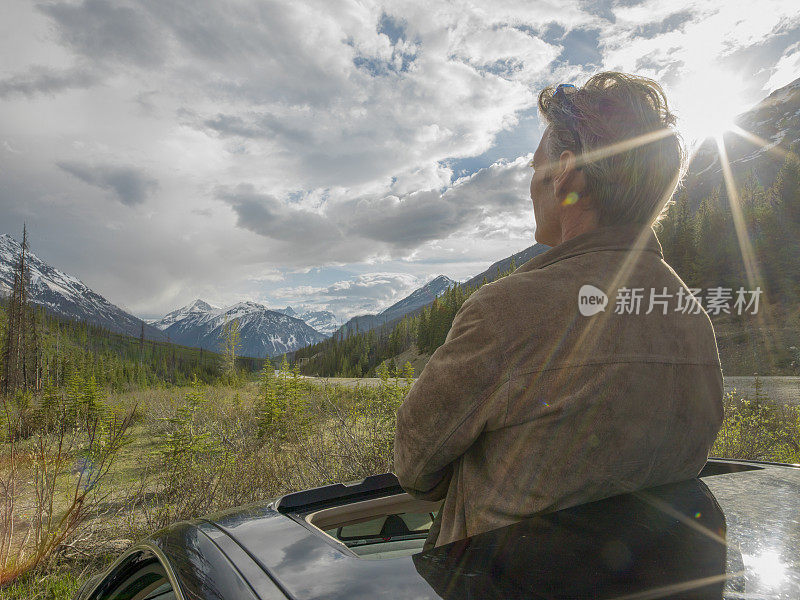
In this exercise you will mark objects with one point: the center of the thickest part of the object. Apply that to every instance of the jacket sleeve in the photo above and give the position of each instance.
(449, 405)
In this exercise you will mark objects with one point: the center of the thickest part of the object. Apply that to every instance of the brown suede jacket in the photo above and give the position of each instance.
(529, 406)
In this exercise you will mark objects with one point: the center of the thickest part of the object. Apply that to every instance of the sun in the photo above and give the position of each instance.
(707, 103)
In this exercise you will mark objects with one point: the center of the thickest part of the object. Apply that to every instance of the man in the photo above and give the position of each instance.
(591, 370)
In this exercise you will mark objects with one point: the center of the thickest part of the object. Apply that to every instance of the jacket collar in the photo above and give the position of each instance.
(614, 237)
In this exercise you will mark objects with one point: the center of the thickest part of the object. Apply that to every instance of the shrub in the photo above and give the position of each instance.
(757, 429)
(52, 485)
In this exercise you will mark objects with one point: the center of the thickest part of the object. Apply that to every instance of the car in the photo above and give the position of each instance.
(732, 532)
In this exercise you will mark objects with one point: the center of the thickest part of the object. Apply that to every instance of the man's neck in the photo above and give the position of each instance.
(578, 223)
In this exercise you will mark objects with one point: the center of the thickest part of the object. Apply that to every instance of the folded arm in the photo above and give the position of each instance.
(450, 404)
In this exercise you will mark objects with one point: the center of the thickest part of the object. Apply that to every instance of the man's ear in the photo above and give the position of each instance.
(564, 171)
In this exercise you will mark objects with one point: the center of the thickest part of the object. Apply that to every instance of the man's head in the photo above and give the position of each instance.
(610, 156)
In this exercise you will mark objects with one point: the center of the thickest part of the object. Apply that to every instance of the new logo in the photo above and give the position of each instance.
(591, 300)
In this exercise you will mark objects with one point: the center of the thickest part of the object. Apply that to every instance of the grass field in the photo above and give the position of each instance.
(195, 450)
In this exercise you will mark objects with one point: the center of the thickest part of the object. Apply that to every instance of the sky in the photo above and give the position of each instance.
(324, 155)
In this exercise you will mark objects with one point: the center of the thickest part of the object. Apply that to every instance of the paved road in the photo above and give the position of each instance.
(781, 389)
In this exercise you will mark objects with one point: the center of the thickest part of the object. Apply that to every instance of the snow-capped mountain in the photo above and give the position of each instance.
(196, 308)
(411, 303)
(263, 332)
(286, 311)
(775, 120)
(67, 296)
(323, 321)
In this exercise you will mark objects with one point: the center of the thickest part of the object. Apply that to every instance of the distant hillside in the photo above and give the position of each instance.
(501, 266)
(72, 352)
(408, 305)
(67, 296)
(411, 337)
(412, 304)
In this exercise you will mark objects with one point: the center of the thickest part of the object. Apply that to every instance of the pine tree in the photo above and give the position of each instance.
(141, 343)
(296, 400)
(49, 405)
(780, 260)
(91, 401)
(283, 374)
(422, 330)
(74, 395)
(408, 373)
(677, 237)
(705, 243)
(272, 414)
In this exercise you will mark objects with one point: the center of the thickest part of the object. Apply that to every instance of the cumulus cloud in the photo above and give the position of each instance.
(362, 294)
(130, 185)
(321, 101)
(395, 224)
(786, 69)
(669, 23)
(408, 221)
(108, 31)
(267, 216)
(582, 47)
(282, 136)
(44, 80)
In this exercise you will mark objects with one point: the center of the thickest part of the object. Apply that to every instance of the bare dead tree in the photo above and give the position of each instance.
(21, 354)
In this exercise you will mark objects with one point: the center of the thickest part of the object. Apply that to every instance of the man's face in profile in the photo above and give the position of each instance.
(545, 206)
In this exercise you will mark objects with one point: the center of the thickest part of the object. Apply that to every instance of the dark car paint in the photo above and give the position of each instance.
(712, 530)
(201, 567)
(265, 587)
(604, 549)
(195, 565)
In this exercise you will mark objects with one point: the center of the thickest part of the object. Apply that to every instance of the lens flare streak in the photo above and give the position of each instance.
(745, 245)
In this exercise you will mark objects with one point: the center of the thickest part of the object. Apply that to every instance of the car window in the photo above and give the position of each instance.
(418, 522)
(395, 526)
(162, 592)
(140, 581)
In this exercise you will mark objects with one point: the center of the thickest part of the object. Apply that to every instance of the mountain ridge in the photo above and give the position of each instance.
(409, 304)
(263, 332)
(67, 296)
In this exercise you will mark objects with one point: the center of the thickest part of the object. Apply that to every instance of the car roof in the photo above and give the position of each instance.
(735, 530)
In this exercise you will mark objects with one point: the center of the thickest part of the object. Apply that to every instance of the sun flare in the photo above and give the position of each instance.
(707, 104)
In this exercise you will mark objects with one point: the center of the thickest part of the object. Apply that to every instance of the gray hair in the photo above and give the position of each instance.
(631, 183)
